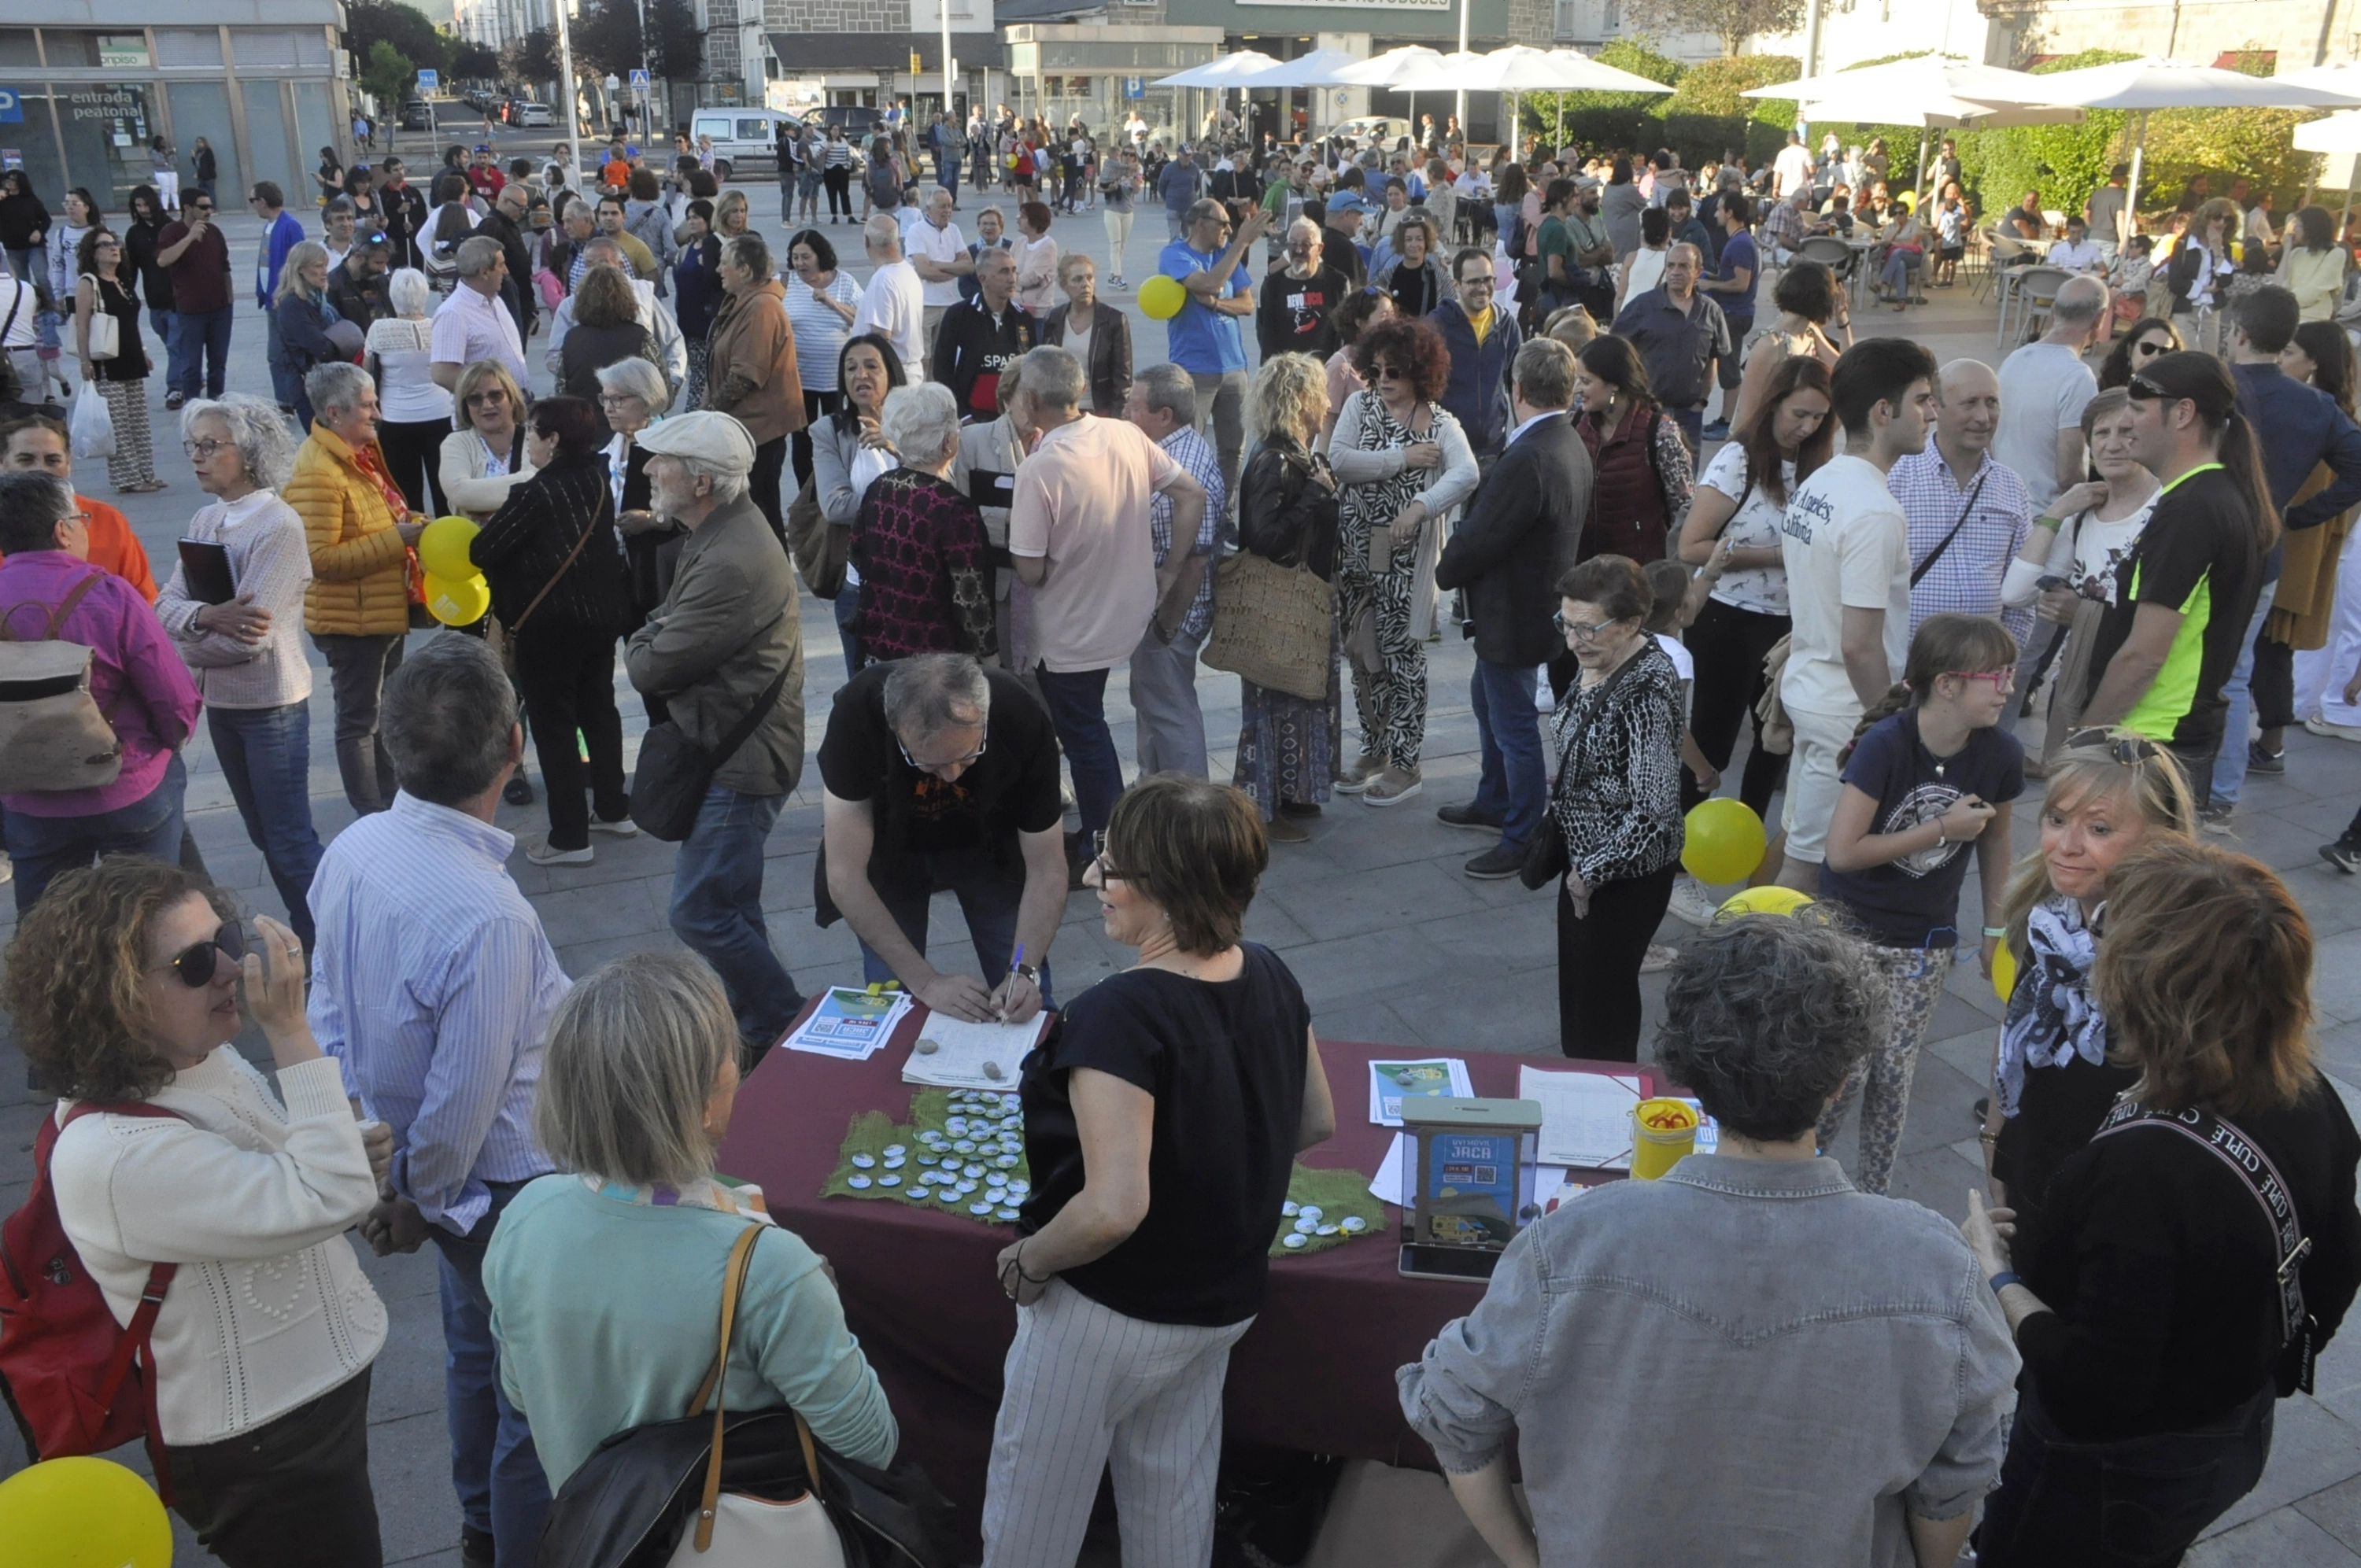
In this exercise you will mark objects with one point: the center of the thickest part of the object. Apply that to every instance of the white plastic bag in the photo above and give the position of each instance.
(93, 425)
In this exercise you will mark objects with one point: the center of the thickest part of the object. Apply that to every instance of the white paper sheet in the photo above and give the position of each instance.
(1438, 1076)
(966, 1051)
(1386, 1187)
(851, 1024)
(1585, 1116)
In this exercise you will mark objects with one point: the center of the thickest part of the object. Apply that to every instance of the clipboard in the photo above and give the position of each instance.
(205, 568)
(987, 487)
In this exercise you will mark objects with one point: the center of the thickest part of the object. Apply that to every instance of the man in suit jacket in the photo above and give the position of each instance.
(1507, 552)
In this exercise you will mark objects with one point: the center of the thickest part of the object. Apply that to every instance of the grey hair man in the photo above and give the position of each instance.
(1970, 513)
(725, 651)
(899, 732)
(1170, 727)
(664, 337)
(894, 304)
(1295, 313)
(2044, 386)
(432, 986)
(1681, 334)
(938, 253)
(473, 323)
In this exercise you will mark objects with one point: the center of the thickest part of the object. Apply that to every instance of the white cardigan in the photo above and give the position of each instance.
(270, 1309)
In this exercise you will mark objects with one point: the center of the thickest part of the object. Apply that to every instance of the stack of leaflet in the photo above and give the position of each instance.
(1390, 1083)
(950, 1053)
(851, 1024)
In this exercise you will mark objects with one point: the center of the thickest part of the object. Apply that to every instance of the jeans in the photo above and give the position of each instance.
(358, 668)
(1728, 367)
(1077, 704)
(2230, 763)
(568, 678)
(947, 173)
(44, 847)
(1513, 787)
(1171, 728)
(1599, 957)
(290, 1493)
(266, 756)
(988, 899)
(1692, 423)
(1222, 399)
(847, 605)
(2126, 1504)
(716, 910)
(1175, 223)
(838, 181)
(200, 335)
(159, 321)
(494, 1467)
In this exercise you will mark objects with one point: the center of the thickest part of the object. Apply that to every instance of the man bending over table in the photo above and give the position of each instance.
(943, 774)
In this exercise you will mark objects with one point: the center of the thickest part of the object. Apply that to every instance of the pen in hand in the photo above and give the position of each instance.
(1008, 986)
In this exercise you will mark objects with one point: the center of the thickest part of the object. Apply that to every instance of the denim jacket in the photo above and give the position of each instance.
(1747, 1361)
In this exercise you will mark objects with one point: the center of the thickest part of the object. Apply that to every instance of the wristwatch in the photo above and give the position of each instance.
(1030, 973)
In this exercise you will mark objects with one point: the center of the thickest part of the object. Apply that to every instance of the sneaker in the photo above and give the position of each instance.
(519, 789)
(1496, 864)
(2321, 726)
(1391, 788)
(621, 828)
(1657, 959)
(1355, 778)
(1467, 817)
(475, 1547)
(1299, 809)
(2215, 818)
(542, 854)
(1718, 431)
(2344, 854)
(1286, 829)
(7, 869)
(2261, 761)
(174, 400)
(1691, 902)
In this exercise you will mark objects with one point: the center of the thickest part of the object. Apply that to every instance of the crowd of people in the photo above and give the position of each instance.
(1477, 402)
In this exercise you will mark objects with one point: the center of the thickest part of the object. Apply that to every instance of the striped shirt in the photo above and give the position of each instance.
(433, 987)
(1193, 452)
(1967, 579)
(819, 331)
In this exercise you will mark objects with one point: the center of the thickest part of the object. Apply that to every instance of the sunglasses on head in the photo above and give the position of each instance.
(196, 963)
(2130, 751)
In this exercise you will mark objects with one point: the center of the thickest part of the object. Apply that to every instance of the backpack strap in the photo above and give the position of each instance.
(57, 613)
(733, 1282)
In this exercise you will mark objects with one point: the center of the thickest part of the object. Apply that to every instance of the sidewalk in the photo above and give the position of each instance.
(1389, 941)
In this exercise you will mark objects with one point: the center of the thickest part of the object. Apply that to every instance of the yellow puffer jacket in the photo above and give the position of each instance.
(361, 583)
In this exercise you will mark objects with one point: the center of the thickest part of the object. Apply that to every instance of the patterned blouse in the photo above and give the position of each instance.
(1618, 793)
(926, 579)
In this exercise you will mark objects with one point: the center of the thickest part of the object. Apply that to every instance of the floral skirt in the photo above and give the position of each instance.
(1288, 746)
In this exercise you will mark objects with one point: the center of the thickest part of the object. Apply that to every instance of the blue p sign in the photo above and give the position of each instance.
(12, 107)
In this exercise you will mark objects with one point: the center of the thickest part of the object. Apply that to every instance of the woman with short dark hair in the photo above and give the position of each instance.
(1808, 299)
(1162, 1117)
(606, 330)
(697, 294)
(558, 587)
(1640, 464)
(1615, 801)
(2198, 1250)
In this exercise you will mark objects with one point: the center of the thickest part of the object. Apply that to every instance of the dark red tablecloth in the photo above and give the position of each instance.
(1315, 1374)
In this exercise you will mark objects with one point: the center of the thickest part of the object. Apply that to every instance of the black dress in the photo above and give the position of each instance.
(130, 361)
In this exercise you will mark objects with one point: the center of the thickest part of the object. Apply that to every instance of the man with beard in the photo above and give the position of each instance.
(1293, 314)
(505, 223)
(356, 286)
(404, 208)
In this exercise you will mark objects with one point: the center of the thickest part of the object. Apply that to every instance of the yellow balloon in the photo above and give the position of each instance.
(1764, 901)
(460, 601)
(82, 1513)
(1725, 842)
(1162, 298)
(442, 548)
(2003, 972)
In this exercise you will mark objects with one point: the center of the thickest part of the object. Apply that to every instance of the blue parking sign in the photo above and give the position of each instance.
(12, 107)
(1135, 87)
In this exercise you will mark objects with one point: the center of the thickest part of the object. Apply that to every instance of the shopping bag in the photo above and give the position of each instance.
(93, 426)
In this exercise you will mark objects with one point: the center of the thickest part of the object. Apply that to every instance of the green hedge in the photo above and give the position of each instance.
(1702, 119)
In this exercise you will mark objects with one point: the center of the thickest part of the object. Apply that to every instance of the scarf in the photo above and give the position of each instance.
(744, 1201)
(2052, 1017)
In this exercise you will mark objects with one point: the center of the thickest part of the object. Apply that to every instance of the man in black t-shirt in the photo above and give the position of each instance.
(1293, 315)
(941, 774)
(2171, 635)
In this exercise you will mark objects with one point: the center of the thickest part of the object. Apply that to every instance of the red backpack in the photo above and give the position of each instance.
(64, 1361)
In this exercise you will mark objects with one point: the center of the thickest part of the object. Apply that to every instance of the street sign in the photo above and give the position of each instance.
(12, 107)
(428, 81)
(639, 81)
(1135, 87)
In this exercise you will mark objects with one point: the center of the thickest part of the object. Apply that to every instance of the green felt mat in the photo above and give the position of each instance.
(1336, 1193)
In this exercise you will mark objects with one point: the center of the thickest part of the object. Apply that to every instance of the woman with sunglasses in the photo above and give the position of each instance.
(1930, 772)
(106, 287)
(169, 1154)
(484, 456)
(2053, 1077)
(2141, 342)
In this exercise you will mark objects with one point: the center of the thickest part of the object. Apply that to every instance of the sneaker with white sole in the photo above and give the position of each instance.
(1391, 788)
(621, 828)
(1358, 774)
(2320, 726)
(1691, 902)
(541, 854)
(1658, 958)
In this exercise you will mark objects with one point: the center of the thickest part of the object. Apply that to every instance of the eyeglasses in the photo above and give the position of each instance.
(616, 400)
(2129, 751)
(203, 451)
(488, 395)
(2001, 680)
(1388, 372)
(1099, 857)
(195, 964)
(2149, 345)
(1581, 633)
(936, 768)
(1484, 282)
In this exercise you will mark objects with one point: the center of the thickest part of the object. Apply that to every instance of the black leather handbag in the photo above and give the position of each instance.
(669, 782)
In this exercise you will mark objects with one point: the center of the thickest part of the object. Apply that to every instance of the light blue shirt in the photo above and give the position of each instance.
(1201, 340)
(433, 985)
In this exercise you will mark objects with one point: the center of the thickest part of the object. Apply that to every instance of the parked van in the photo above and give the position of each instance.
(741, 135)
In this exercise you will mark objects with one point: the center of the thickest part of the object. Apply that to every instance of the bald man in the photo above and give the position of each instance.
(2044, 386)
(1969, 513)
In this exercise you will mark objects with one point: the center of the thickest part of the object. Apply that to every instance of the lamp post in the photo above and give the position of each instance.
(1460, 104)
(566, 85)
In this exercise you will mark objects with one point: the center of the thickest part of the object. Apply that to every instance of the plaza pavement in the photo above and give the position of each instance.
(1390, 942)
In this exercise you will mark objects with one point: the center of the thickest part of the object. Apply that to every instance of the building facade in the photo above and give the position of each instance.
(497, 23)
(85, 85)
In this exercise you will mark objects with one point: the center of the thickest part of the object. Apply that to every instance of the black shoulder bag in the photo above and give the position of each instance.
(2246, 1159)
(1547, 857)
(1923, 567)
(673, 772)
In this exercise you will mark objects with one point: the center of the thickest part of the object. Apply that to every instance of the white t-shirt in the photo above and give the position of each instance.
(1794, 168)
(895, 304)
(1078, 343)
(1847, 544)
(1753, 526)
(405, 385)
(2086, 555)
(944, 245)
(2044, 388)
(1684, 662)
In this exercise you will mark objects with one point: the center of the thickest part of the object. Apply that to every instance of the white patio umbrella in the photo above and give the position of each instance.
(1232, 70)
(1407, 66)
(1314, 70)
(2337, 133)
(1927, 92)
(2143, 86)
(1578, 72)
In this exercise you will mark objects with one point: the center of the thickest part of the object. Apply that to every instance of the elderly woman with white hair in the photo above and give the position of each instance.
(247, 652)
(414, 409)
(632, 394)
(627, 1243)
(919, 541)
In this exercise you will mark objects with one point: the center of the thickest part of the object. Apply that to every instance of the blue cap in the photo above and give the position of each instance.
(1348, 201)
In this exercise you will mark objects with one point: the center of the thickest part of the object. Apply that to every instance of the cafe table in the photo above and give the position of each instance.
(1314, 1374)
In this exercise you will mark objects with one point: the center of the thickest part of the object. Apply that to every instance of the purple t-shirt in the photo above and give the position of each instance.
(1738, 251)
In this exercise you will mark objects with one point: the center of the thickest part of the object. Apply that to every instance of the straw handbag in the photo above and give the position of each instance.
(1273, 625)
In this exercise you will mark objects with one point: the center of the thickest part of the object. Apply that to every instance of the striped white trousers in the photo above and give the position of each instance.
(1090, 1389)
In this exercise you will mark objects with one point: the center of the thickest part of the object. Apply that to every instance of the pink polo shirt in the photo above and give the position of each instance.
(1082, 499)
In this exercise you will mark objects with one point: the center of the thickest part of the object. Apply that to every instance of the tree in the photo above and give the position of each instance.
(389, 77)
(607, 37)
(475, 62)
(1731, 21)
(531, 59)
(677, 49)
(406, 27)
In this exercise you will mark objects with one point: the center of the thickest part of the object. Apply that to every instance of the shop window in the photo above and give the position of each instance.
(188, 46)
(201, 109)
(106, 130)
(18, 48)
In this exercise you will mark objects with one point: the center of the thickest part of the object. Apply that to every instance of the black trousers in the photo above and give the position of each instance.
(413, 452)
(2273, 687)
(1598, 964)
(568, 676)
(838, 181)
(292, 1493)
(1728, 644)
(763, 485)
(799, 447)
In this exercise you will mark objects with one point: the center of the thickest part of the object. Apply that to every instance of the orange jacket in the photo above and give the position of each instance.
(113, 547)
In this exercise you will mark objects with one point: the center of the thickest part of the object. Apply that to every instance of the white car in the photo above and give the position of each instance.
(525, 117)
(744, 136)
(1385, 129)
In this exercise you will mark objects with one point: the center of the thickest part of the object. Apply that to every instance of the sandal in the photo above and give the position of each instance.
(150, 488)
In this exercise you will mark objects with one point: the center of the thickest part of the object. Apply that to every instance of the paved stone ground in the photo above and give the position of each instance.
(1390, 942)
